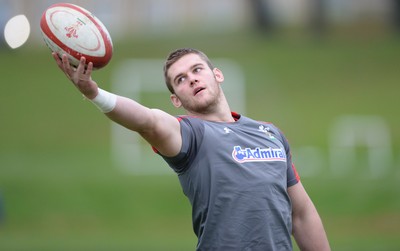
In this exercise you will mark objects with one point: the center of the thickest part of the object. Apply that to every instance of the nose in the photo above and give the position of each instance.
(193, 81)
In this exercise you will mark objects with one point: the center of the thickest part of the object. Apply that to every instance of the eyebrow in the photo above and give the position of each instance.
(191, 68)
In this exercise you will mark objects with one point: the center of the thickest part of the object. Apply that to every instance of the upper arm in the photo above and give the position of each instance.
(158, 128)
(308, 229)
(301, 202)
(165, 133)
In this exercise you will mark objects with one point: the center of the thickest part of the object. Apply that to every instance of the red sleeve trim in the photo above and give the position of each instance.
(295, 172)
(154, 149)
(235, 116)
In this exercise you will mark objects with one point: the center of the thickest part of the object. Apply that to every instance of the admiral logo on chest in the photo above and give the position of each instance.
(242, 155)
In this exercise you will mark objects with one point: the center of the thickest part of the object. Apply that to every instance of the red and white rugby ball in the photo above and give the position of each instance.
(72, 30)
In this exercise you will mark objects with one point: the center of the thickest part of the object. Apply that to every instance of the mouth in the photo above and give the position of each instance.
(198, 90)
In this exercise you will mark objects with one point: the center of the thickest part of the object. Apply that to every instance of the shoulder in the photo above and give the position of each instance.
(269, 127)
(191, 125)
(190, 120)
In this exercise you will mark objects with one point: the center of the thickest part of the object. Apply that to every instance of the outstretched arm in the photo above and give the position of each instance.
(308, 230)
(159, 128)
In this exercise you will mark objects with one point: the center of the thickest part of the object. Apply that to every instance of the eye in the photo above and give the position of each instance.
(197, 69)
(181, 80)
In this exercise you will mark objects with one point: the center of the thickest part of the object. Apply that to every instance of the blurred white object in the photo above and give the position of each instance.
(16, 31)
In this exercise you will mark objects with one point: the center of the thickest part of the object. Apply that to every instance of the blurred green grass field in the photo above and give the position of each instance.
(61, 191)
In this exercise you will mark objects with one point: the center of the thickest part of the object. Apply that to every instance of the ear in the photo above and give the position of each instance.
(175, 101)
(218, 75)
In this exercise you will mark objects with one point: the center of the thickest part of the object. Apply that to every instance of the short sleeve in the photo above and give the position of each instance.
(292, 174)
(192, 131)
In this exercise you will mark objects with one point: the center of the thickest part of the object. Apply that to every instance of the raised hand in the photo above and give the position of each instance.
(80, 76)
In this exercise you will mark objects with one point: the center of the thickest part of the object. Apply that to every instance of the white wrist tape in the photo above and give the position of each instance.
(105, 101)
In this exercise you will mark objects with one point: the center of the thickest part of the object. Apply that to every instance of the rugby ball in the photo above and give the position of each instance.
(72, 30)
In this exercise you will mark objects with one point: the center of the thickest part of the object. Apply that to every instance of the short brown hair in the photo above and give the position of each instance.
(175, 56)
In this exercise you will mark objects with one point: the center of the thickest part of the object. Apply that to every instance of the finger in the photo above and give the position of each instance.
(60, 63)
(65, 61)
(66, 67)
(81, 67)
(89, 69)
(57, 58)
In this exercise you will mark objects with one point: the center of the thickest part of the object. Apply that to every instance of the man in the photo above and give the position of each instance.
(236, 172)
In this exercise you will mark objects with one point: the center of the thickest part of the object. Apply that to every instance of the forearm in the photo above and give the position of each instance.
(123, 111)
(132, 115)
(159, 128)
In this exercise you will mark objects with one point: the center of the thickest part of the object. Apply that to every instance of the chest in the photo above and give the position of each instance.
(237, 154)
(248, 143)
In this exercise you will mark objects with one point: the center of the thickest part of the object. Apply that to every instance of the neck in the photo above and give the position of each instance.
(220, 113)
(226, 117)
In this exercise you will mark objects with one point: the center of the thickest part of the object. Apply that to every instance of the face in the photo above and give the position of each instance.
(196, 86)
